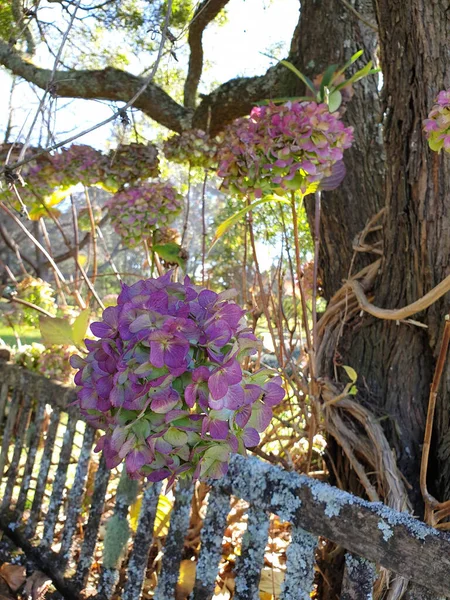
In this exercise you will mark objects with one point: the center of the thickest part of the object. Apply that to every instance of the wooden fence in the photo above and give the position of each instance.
(55, 495)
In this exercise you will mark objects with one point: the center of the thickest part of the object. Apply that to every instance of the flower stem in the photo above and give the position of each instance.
(300, 286)
(316, 267)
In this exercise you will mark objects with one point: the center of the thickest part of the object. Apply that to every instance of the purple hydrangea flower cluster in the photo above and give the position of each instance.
(130, 163)
(77, 164)
(165, 381)
(136, 212)
(193, 146)
(282, 147)
(437, 126)
(34, 174)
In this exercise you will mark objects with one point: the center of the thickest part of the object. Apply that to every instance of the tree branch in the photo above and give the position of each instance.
(206, 12)
(237, 97)
(13, 246)
(106, 84)
(233, 99)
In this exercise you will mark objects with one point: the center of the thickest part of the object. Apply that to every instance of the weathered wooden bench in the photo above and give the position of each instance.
(36, 495)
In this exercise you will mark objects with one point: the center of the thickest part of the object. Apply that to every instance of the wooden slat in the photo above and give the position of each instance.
(212, 533)
(359, 576)
(179, 523)
(4, 389)
(44, 468)
(142, 543)
(109, 576)
(59, 481)
(22, 424)
(398, 542)
(76, 496)
(250, 563)
(10, 421)
(93, 524)
(300, 560)
(35, 435)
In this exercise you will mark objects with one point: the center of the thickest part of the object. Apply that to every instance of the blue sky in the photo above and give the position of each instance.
(253, 26)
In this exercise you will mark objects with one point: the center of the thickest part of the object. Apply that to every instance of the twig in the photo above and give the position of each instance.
(188, 206)
(108, 255)
(353, 10)
(116, 114)
(430, 501)
(31, 305)
(300, 286)
(33, 239)
(400, 313)
(93, 235)
(205, 179)
(315, 267)
(75, 234)
(50, 82)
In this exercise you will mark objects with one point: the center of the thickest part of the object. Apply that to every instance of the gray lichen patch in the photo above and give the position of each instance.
(248, 571)
(333, 498)
(211, 541)
(417, 528)
(386, 530)
(299, 578)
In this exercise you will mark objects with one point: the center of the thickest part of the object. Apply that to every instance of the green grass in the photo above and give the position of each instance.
(27, 335)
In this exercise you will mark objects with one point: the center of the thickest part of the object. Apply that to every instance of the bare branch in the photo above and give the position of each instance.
(106, 84)
(206, 12)
(237, 97)
(12, 245)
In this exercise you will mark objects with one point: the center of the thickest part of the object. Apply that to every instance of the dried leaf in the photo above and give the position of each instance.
(13, 575)
(36, 586)
(271, 580)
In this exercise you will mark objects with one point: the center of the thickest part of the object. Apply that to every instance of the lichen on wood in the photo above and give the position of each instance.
(44, 468)
(179, 522)
(59, 480)
(142, 543)
(76, 496)
(249, 565)
(31, 457)
(212, 534)
(300, 561)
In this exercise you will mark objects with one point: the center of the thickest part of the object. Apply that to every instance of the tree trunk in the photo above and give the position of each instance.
(394, 362)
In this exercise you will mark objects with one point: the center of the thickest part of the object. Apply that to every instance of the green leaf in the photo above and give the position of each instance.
(56, 331)
(284, 100)
(170, 252)
(364, 72)
(353, 59)
(309, 84)
(37, 211)
(353, 390)
(352, 374)
(80, 325)
(334, 100)
(326, 79)
(228, 223)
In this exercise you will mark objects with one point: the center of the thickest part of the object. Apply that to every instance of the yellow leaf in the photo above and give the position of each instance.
(82, 259)
(186, 579)
(163, 511)
(58, 196)
(56, 331)
(353, 375)
(80, 325)
(135, 509)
